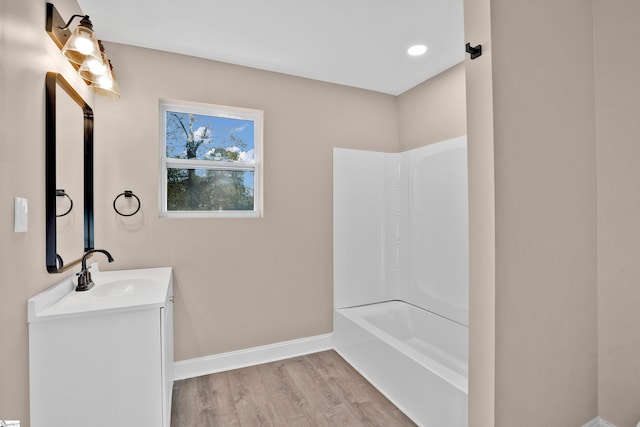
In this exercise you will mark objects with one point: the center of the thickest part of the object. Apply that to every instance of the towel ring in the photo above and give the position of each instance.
(61, 193)
(127, 194)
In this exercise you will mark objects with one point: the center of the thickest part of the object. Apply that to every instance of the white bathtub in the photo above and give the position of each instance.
(417, 359)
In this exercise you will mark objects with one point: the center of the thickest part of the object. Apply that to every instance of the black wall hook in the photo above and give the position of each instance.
(474, 51)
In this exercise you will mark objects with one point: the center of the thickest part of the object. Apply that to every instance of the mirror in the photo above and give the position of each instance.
(68, 174)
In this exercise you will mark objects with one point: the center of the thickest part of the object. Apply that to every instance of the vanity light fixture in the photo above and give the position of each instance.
(102, 78)
(417, 50)
(82, 46)
(83, 50)
(92, 69)
(106, 85)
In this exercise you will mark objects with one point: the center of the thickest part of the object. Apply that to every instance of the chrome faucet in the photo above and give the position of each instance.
(84, 277)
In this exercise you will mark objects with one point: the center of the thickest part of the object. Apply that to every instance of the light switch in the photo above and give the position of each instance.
(22, 215)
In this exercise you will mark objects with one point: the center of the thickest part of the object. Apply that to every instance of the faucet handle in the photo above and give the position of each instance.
(84, 281)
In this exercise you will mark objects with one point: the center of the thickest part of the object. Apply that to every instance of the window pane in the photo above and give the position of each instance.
(209, 190)
(196, 136)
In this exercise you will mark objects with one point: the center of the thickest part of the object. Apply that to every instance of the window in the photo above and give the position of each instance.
(211, 161)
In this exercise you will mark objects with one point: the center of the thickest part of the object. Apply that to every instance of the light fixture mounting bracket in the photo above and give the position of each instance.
(56, 27)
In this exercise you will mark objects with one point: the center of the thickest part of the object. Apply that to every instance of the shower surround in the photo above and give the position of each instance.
(401, 278)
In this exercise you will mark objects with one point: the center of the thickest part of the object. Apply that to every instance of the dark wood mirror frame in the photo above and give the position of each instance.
(52, 82)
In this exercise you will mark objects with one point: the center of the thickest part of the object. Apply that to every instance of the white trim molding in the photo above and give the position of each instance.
(599, 422)
(206, 365)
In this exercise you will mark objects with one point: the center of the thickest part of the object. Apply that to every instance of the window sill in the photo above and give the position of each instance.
(210, 214)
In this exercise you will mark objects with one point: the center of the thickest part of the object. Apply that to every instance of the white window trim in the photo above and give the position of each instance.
(256, 116)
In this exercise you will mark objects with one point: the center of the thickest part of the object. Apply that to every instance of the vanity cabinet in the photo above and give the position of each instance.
(103, 359)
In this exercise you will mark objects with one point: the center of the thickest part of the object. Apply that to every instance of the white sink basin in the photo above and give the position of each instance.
(113, 290)
(122, 288)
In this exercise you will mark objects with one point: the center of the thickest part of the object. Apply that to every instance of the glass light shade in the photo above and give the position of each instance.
(92, 69)
(106, 85)
(82, 45)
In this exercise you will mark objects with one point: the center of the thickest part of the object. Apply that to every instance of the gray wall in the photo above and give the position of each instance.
(618, 150)
(239, 282)
(434, 110)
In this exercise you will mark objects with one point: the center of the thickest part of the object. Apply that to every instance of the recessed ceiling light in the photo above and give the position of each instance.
(417, 50)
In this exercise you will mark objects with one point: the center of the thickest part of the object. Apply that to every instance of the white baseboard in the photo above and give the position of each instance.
(252, 356)
(598, 422)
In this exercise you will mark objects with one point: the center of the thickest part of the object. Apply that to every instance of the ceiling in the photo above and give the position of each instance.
(359, 43)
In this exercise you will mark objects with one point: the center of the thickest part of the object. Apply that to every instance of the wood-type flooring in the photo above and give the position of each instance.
(319, 389)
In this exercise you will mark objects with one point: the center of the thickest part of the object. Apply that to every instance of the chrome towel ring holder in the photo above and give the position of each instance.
(127, 194)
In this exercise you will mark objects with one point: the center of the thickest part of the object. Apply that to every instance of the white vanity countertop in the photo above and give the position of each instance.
(114, 290)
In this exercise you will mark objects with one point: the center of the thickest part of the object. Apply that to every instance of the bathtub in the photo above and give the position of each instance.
(417, 359)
